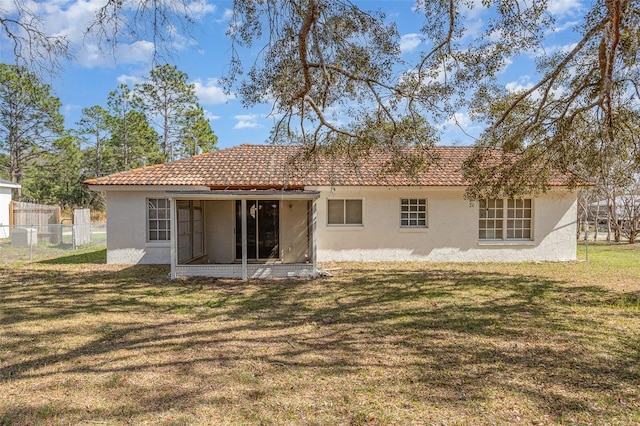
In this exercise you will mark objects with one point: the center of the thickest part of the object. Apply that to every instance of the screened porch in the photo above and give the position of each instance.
(243, 234)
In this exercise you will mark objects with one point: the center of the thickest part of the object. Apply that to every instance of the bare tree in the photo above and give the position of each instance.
(33, 48)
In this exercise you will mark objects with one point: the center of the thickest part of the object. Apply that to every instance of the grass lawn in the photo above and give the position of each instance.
(394, 343)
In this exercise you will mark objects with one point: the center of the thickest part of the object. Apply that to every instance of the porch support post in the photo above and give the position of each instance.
(243, 208)
(314, 247)
(173, 231)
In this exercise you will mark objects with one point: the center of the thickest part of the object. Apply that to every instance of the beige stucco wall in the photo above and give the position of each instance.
(127, 229)
(5, 201)
(293, 231)
(452, 233)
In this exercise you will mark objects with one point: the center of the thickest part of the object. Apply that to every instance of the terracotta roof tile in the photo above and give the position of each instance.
(269, 166)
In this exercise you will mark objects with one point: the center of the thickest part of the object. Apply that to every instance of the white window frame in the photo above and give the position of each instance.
(344, 212)
(505, 219)
(153, 216)
(413, 211)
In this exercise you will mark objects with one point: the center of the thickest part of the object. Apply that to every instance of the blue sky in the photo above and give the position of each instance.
(87, 80)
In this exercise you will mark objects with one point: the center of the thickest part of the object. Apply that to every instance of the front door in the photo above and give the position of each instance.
(263, 229)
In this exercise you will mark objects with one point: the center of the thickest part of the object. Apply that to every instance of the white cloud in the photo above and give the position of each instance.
(458, 119)
(247, 121)
(200, 8)
(564, 7)
(507, 64)
(459, 129)
(461, 119)
(72, 18)
(64, 18)
(409, 42)
(8, 7)
(130, 80)
(90, 55)
(70, 109)
(551, 49)
(524, 84)
(210, 116)
(138, 52)
(472, 9)
(473, 27)
(210, 92)
(518, 86)
(227, 15)
(565, 26)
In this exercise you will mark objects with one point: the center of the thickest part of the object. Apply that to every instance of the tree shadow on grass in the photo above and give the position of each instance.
(91, 257)
(449, 337)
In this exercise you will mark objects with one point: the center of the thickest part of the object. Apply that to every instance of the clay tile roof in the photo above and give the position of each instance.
(269, 166)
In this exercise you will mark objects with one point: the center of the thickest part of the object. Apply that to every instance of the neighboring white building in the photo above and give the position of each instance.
(6, 188)
(247, 212)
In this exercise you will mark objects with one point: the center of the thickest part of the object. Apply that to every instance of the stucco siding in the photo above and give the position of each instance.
(5, 201)
(451, 234)
(127, 225)
(294, 242)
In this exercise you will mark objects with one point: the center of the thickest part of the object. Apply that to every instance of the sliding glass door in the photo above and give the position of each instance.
(263, 229)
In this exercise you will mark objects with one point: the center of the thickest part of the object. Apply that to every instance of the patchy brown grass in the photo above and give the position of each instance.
(84, 343)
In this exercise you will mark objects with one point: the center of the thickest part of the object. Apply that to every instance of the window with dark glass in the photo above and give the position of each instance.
(344, 212)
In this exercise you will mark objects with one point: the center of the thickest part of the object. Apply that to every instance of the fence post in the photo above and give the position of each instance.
(586, 243)
(30, 241)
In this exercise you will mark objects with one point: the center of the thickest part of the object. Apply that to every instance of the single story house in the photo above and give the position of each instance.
(247, 211)
(6, 188)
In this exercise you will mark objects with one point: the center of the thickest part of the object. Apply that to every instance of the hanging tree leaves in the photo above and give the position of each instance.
(591, 90)
(322, 54)
(330, 69)
(334, 73)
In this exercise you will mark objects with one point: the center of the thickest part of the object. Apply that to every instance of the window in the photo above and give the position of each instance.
(158, 219)
(491, 219)
(505, 219)
(519, 219)
(344, 212)
(413, 213)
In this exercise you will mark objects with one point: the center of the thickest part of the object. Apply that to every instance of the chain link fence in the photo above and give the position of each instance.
(34, 242)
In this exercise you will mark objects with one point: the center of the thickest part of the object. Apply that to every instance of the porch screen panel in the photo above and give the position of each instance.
(263, 229)
(198, 229)
(252, 221)
(268, 229)
(185, 252)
